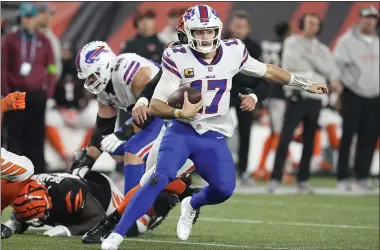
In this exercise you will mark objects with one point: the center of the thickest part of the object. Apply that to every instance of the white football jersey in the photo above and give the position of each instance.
(182, 67)
(125, 67)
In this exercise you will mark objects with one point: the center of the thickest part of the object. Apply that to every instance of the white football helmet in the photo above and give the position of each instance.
(201, 17)
(93, 63)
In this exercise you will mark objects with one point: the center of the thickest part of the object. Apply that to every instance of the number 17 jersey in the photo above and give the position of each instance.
(184, 67)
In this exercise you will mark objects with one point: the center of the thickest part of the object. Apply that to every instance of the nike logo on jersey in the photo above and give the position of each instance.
(221, 137)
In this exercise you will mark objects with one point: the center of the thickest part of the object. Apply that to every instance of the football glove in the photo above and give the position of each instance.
(58, 231)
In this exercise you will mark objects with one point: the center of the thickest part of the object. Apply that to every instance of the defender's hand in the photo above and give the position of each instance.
(13, 101)
(189, 110)
(247, 102)
(140, 113)
(318, 88)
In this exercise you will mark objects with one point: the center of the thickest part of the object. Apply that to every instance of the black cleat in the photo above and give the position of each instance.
(164, 203)
(102, 229)
(6, 232)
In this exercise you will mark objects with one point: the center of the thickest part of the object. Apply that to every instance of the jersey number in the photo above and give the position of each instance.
(221, 85)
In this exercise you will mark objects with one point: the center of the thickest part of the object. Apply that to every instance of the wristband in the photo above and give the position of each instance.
(299, 82)
(143, 100)
(254, 97)
(176, 113)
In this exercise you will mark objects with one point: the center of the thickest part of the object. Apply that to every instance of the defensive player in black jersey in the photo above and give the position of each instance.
(68, 203)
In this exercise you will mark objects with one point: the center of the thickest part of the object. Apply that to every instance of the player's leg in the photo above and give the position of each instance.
(136, 149)
(214, 163)
(15, 172)
(276, 109)
(293, 116)
(173, 153)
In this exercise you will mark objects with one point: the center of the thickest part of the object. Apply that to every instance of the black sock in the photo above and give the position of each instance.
(114, 217)
(188, 192)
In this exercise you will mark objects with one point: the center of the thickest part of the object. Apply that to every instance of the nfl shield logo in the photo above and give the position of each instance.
(210, 69)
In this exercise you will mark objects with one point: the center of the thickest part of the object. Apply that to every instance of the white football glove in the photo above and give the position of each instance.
(58, 231)
(81, 172)
(110, 143)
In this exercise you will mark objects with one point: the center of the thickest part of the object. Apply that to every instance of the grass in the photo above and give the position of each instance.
(251, 222)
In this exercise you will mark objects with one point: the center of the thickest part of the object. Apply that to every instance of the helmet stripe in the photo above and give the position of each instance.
(203, 11)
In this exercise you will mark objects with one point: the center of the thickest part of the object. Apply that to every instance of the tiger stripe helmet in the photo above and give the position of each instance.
(33, 202)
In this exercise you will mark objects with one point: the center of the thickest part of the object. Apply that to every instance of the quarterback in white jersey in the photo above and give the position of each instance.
(207, 64)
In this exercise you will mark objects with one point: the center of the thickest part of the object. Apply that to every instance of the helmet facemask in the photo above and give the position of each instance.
(203, 46)
(97, 81)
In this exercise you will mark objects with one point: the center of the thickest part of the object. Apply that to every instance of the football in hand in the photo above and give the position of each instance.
(176, 99)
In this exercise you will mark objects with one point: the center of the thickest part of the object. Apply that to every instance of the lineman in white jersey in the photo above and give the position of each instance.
(117, 80)
(208, 64)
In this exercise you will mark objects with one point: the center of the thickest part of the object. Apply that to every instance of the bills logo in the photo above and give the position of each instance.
(189, 72)
(188, 14)
(93, 55)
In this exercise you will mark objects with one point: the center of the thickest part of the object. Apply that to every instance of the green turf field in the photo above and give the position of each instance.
(251, 222)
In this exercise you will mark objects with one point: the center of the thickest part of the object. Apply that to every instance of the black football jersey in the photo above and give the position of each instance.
(68, 194)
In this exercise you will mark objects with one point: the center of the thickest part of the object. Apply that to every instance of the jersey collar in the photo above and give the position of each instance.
(218, 56)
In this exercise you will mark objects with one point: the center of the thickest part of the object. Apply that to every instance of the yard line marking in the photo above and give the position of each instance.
(208, 244)
(325, 205)
(245, 221)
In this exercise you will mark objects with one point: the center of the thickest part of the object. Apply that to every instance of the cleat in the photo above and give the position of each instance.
(186, 220)
(164, 203)
(112, 242)
(102, 229)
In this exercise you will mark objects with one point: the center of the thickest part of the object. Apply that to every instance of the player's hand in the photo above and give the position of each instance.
(247, 102)
(318, 88)
(189, 110)
(110, 143)
(13, 101)
(140, 113)
(58, 231)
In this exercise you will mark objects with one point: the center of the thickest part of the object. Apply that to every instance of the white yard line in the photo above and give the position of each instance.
(207, 244)
(243, 246)
(251, 201)
(302, 224)
(292, 191)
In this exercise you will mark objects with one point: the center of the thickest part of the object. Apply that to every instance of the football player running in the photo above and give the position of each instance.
(198, 131)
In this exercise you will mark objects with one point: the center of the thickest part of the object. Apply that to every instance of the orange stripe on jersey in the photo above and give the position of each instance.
(1, 160)
(10, 168)
(78, 200)
(68, 202)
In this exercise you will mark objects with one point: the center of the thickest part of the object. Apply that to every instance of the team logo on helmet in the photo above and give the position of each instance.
(93, 55)
(189, 14)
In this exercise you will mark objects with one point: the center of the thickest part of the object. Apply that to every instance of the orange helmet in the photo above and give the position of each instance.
(33, 202)
(181, 31)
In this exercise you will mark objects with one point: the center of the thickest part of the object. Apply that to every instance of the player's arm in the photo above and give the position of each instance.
(140, 111)
(253, 67)
(105, 124)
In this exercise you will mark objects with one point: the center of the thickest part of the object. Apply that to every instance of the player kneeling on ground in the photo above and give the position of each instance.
(68, 203)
